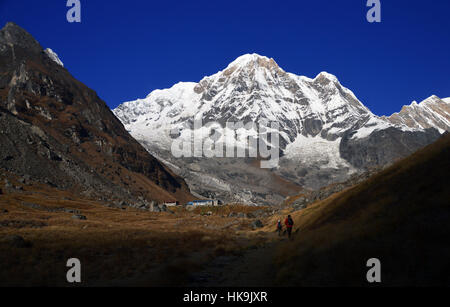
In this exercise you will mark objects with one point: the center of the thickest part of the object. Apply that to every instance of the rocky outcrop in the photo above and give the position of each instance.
(307, 198)
(384, 146)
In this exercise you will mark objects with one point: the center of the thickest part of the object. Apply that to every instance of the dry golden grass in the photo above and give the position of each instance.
(400, 216)
(115, 246)
(226, 210)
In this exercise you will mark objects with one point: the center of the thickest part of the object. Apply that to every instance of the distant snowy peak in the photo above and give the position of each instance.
(254, 88)
(433, 112)
(253, 59)
(53, 56)
(325, 132)
(251, 88)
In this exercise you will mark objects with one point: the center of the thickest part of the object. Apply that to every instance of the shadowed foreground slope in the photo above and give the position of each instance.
(400, 216)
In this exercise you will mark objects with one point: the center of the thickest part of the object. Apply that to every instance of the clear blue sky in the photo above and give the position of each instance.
(125, 49)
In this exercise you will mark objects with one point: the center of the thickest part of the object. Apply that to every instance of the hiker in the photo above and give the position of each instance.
(289, 222)
(279, 227)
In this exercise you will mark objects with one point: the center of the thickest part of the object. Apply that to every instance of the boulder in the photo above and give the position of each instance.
(79, 217)
(25, 179)
(142, 206)
(155, 208)
(73, 211)
(301, 201)
(257, 224)
(8, 184)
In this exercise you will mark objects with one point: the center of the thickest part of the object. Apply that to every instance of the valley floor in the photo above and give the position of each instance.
(400, 216)
(41, 228)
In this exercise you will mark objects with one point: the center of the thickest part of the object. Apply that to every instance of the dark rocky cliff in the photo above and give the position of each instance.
(57, 130)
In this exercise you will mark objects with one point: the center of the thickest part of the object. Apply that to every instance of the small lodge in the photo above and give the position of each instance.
(205, 202)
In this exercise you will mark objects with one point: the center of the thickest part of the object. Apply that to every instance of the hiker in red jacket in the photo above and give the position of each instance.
(289, 222)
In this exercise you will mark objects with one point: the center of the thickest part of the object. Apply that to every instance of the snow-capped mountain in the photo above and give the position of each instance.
(52, 55)
(251, 88)
(433, 112)
(323, 126)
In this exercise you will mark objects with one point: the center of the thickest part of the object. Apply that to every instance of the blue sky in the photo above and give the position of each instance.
(125, 49)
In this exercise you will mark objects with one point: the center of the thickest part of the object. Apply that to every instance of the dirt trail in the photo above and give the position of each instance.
(254, 267)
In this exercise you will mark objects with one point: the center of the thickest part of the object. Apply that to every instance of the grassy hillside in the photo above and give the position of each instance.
(400, 216)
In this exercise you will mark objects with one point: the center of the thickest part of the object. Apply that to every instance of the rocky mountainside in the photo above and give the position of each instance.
(433, 112)
(56, 130)
(326, 133)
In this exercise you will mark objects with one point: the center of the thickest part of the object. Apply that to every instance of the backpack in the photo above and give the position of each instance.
(290, 221)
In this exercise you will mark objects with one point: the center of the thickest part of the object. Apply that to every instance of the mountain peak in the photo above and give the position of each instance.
(38, 97)
(248, 57)
(327, 76)
(13, 35)
(432, 112)
(431, 99)
(255, 59)
(12, 26)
